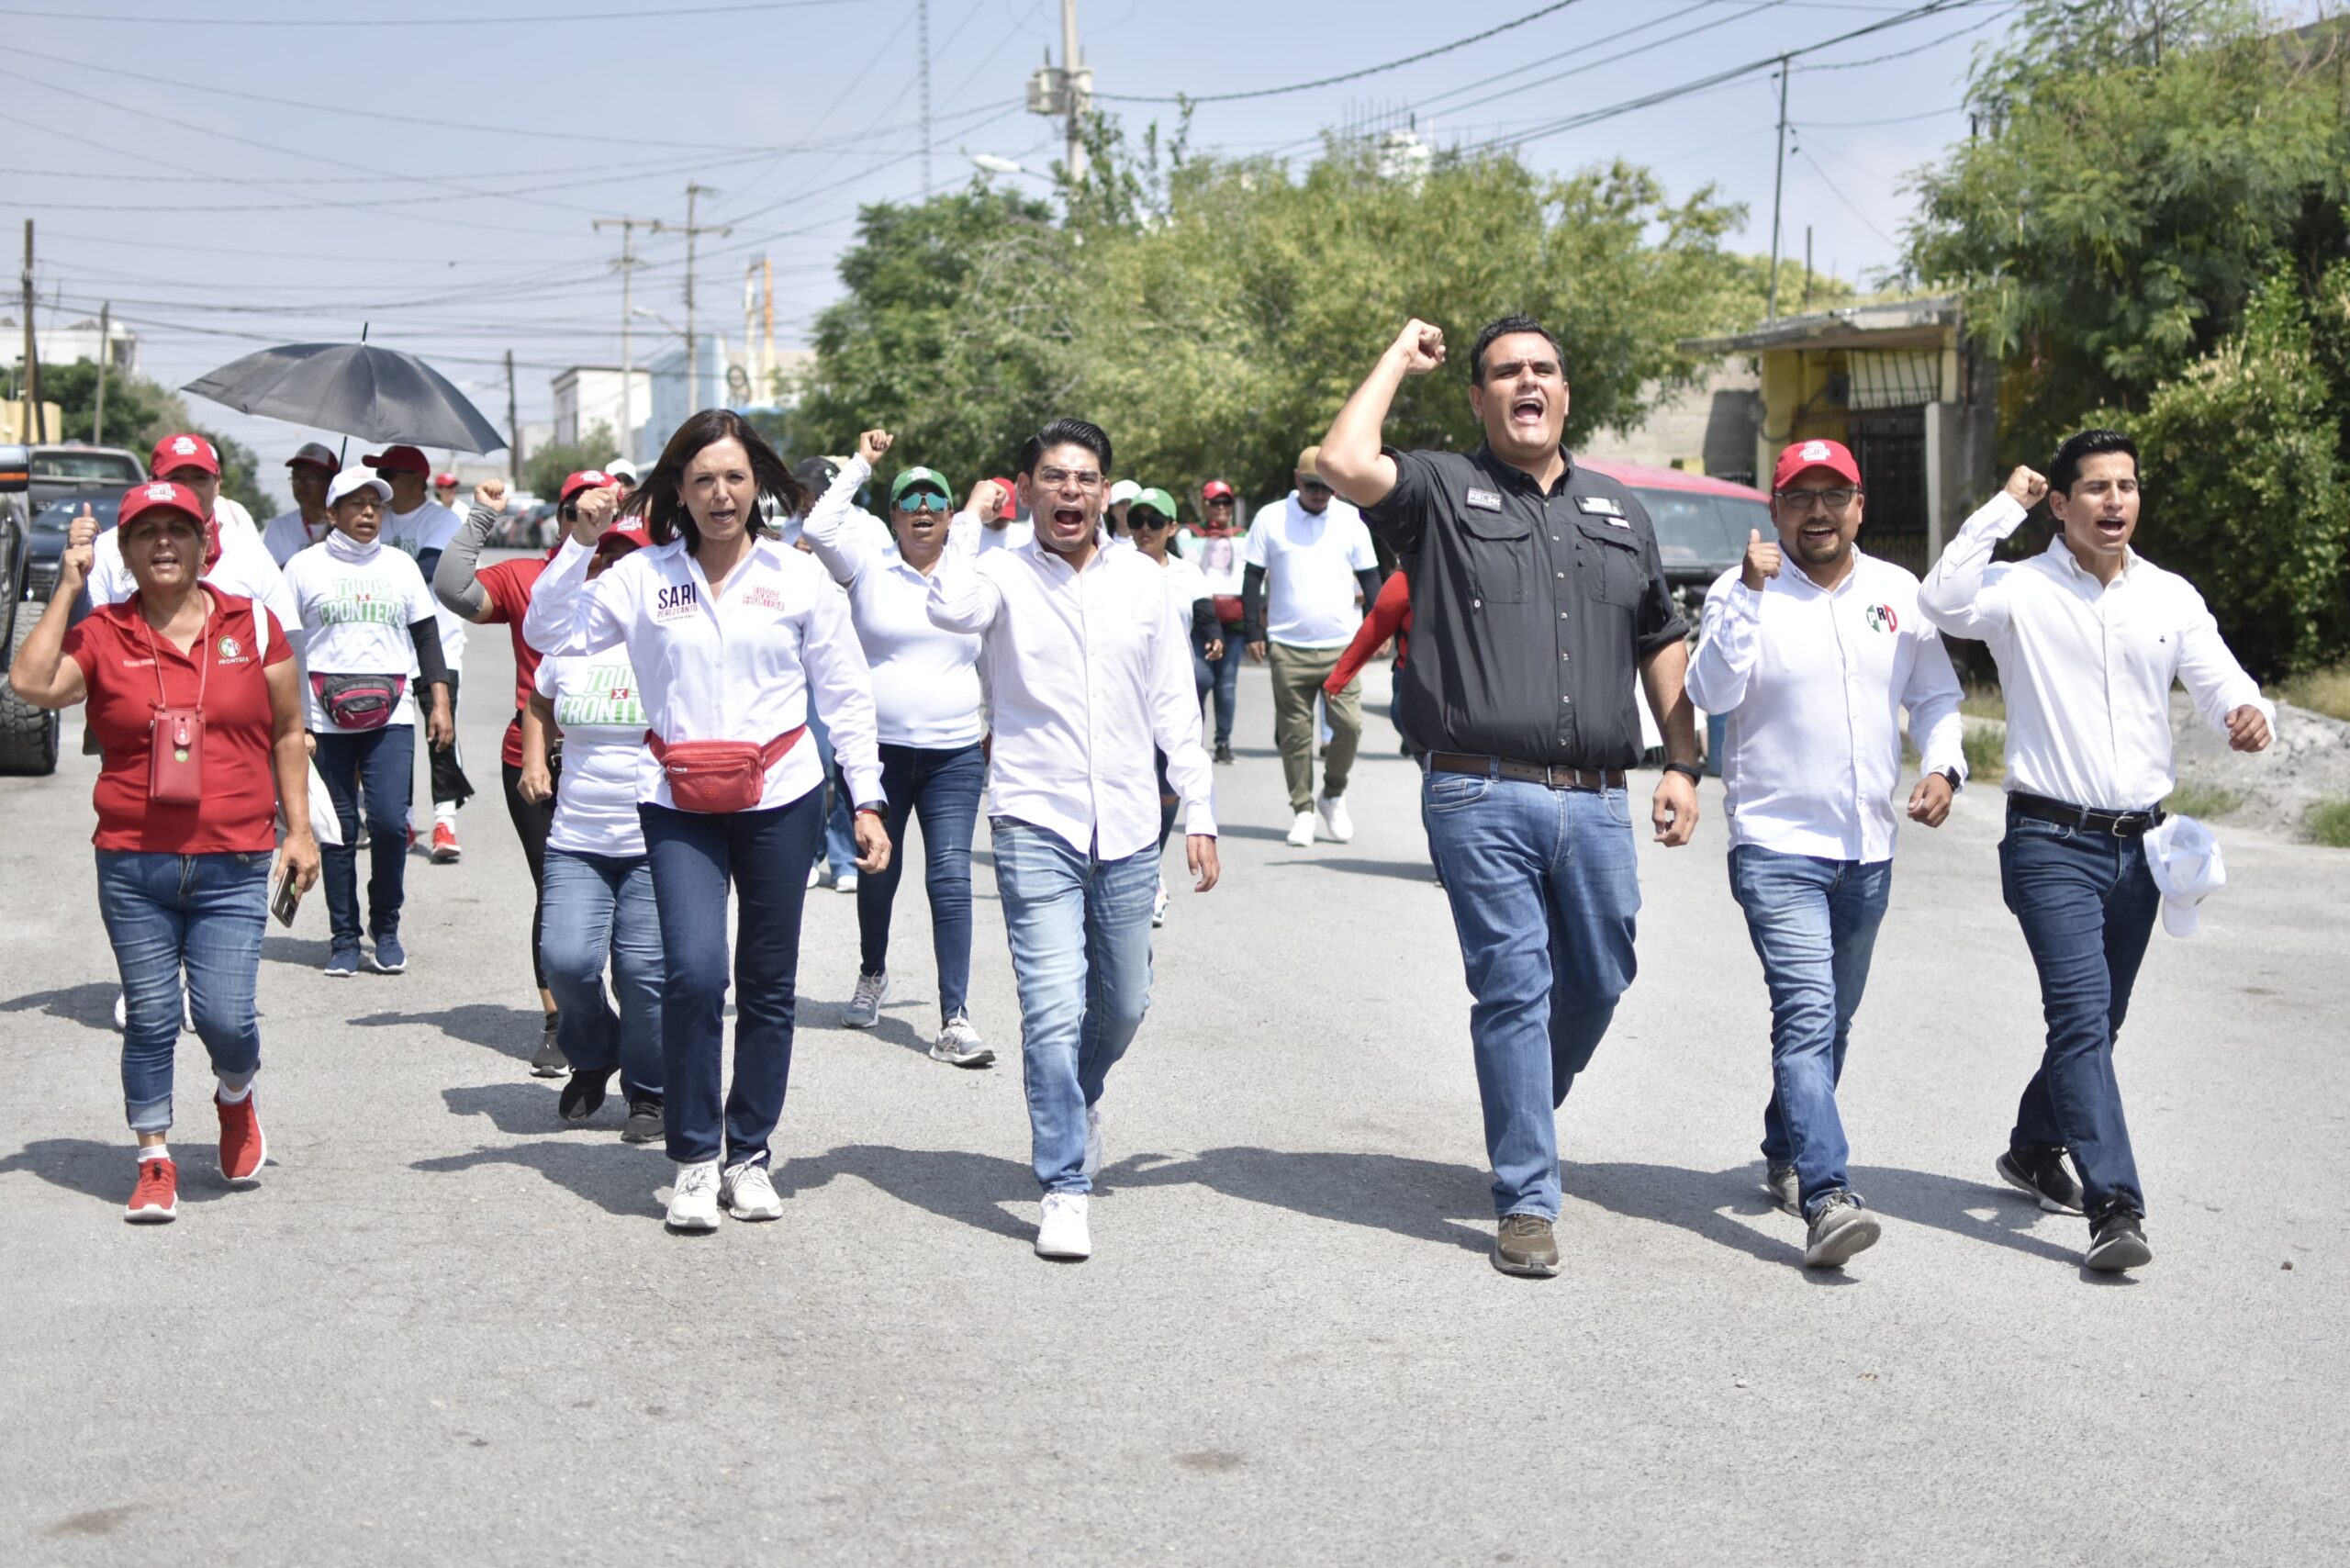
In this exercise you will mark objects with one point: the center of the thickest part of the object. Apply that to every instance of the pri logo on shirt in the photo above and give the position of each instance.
(231, 650)
(1814, 452)
(1881, 618)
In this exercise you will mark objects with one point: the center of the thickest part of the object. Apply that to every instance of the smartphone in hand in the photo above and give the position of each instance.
(287, 898)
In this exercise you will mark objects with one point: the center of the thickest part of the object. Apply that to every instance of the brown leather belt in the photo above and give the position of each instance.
(1528, 772)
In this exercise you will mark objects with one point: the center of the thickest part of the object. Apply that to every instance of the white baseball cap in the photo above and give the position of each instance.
(2188, 867)
(351, 481)
(1123, 490)
(622, 468)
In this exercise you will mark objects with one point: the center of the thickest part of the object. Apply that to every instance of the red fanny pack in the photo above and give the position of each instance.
(719, 776)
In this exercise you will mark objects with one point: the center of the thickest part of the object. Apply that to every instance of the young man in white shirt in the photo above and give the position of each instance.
(1088, 669)
(2088, 636)
(1310, 571)
(307, 474)
(1812, 649)
(421, 527)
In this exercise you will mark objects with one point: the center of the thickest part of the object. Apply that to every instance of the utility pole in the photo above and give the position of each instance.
(106, 352)
(628, 263)
(1778, 188)
(1807, 267)
(513, 429)
(1079, 94)
(36, 417)
(921, 62)
(692, 231)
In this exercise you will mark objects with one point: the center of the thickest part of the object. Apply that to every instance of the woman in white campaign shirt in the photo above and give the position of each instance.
(1151, 522)
(733, 635)
(926, 703)
(366, 614)
(598, 894)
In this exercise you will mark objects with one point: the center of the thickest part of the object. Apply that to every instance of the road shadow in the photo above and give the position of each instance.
(1422, 1200)
(1706, 1203)
(1402, 870)
(90, 1005)
(509, 1031)
(1250, 830)
(956, 1184)
(105, 1170)
(1919, 1197)
(301, 954)
(587, 1159)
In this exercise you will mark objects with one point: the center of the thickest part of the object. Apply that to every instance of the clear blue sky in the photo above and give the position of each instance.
(234, 180)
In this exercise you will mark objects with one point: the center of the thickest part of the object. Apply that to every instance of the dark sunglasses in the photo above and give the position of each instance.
(1315, 485)
(1219, 501)
(1148, 519)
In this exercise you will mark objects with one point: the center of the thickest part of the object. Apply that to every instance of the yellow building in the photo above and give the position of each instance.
(1899, 385)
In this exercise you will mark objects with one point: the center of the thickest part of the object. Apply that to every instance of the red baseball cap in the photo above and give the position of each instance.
(1010, 494)
(1833, 455)
(398, 460)
(586, 480)
(159, 494)
(445, 481)
(187, 449)
(1215, 488)
(631, 533)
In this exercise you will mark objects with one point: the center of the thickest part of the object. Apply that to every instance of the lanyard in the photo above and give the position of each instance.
(155, 656)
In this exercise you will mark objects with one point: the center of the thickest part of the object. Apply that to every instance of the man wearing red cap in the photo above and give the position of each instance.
(422, 528)
(234, 559)
(189, 459)
(307, 474)
(1223, 559)
(1812, 649)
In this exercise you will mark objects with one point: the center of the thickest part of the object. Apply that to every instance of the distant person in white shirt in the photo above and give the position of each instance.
(421, 528)
(307, 474)
(1812, 649)
(234, 559)
(2088, 635)
(987, 521)
(1088, 666)
(1310, 570)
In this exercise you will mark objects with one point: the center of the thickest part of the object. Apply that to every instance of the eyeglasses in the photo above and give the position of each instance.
(922, 501)
(1801, 500)
(1085, 480)
(1147, 520)
(1219, 501)
(1314, 488)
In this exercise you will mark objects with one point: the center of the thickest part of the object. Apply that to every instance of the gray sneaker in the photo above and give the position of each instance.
(1524, 1245)
(864, 1009)
(1841, 1228)
(548, 1060)
(1785, 1189)
(959, 1044)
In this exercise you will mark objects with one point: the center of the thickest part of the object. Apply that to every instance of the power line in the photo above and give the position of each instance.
(276, 23)
(1347, 76)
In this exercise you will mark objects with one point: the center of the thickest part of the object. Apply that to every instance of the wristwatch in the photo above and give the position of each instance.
(1956, 782)
(1690, 769)
(875, 807)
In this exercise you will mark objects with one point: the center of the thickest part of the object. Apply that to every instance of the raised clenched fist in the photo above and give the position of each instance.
(2026, 487)
(872, 444)
(490, 493)
(1421, 345)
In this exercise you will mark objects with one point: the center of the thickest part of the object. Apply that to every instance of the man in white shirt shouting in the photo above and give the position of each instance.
(1088, 669)
(1310, 573)
(2088, 635)
(1812, 648)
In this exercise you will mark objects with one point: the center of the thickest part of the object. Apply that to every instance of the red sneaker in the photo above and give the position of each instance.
(156, 1199)
(444, 844)
(243, 1147)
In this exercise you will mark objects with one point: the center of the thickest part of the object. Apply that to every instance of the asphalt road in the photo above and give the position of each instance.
(446, 1330)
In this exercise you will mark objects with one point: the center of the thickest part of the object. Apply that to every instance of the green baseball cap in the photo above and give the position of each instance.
(1158, 501)
(919, 479)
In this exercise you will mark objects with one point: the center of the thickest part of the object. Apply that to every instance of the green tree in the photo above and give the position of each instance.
(2243, 480)
(543, 471)
(138, 413)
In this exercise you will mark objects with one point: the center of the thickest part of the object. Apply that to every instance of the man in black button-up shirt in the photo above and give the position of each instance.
(1537, 599)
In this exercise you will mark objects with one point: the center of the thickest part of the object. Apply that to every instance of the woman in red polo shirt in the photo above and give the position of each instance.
(193, 695)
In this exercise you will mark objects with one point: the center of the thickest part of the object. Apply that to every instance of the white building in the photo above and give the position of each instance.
(586, 396)
(66, 344)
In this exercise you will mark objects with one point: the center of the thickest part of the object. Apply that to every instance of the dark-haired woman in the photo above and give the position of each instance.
(733, 636)
(193, 697)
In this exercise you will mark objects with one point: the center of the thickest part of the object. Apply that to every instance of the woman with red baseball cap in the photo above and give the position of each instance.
(596, 897)
(193, 695)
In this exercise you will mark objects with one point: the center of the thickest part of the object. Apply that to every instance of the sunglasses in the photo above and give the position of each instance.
(1219, 501)
(921, 501)
(1314, 488)
(1147, 520)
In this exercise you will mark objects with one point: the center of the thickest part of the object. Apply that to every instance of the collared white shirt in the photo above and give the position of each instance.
(739, 664)
(287, 535)
(426, 532)
(925, 679)
(2087, 667)
(1090, 673)
(244, 569)
(966, 532)
(1313, 599)
(1813, 681)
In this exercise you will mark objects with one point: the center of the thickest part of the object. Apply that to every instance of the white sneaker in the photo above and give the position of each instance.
(1159, 904)
(958, 1044)
(1332, 809)
(864, 1009)
(187, 1012)
(1092, 1167)
(749, 1194)
(121, 1013)
(845, 881)
(1301, 830)
(1060, 1230)
(817, 872)
(693, 1203)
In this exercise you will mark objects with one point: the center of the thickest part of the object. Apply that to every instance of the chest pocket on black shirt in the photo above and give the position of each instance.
(1609, 563)
(1495, 546)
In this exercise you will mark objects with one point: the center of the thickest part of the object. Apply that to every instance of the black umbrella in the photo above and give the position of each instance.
(377, 394)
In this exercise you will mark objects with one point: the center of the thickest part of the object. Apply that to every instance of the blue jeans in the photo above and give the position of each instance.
(202, 913)
(1545, 896)
(2086, 904)
(838, 847)
(1225, 674)
(944, 787)
(695, 856)
(596, 904)
(1080, 954)
(1814, 924)
(382, 763)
